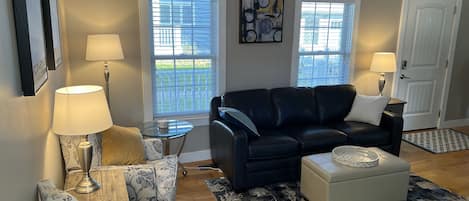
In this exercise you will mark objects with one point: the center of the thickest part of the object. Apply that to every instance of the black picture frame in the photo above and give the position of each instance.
(31, 45)
(52, 34)
(261, 21)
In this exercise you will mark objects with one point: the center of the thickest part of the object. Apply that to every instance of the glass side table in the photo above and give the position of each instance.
(176, 129)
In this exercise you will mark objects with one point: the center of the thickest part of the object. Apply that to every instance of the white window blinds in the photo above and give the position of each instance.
(325, 43)
(184, 39)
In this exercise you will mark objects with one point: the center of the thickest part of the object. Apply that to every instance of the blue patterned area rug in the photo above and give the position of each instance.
(420, 189)
(438, 141)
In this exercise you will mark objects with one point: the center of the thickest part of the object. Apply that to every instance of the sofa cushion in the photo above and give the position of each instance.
(364, 134)
(334, 102)
(256, 104)
(316, 139)
(268, 147)
(294, 106)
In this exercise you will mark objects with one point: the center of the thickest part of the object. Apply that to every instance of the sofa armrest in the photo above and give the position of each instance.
(155, 180)
(166, 171)
(153, 149)
(229, 149)
(394, 124)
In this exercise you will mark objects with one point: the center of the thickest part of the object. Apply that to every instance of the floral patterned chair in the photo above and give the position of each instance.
(155, 180)
(46, 191)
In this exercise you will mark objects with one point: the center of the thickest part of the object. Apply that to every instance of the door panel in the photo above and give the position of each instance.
(417, 93)
(425, 49)
(426, 39)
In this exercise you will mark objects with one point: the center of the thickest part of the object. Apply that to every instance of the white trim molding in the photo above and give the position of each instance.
(296, 39)
(147, 64)
(454, 123)
(449, 69)
(146, 53)
(221, 59)
(190, 157)
(195, 120)
(296, 44)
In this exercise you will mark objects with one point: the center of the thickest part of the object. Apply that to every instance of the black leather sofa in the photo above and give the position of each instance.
(292, 122)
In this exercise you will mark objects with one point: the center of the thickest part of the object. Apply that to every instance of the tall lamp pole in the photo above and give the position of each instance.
(104, 47)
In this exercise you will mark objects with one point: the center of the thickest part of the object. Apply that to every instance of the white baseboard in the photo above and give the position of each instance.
(454, 123)
(195, 156)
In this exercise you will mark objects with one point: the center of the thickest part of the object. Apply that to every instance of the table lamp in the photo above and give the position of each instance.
(383, 62)
(79, 111)
(104, 47)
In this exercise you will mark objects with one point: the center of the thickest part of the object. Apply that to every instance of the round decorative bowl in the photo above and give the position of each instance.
(355, 156)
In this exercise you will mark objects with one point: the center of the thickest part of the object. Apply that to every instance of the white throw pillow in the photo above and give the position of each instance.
(368, 109)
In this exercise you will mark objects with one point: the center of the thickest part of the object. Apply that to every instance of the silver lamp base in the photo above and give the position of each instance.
(381, 83)
(87, 185)
(85, 152)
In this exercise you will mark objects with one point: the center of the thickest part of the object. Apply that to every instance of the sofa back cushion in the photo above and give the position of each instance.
(295, 106)
(334, 102)
(256, 104)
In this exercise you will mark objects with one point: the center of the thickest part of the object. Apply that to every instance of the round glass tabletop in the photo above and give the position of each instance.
(176, 129)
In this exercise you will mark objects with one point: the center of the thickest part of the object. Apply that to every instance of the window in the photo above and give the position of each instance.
(185, 52)
(325, 43)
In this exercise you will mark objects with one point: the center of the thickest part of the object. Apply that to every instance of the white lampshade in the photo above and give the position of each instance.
(383, 62)
(104, 47)
(81, 110)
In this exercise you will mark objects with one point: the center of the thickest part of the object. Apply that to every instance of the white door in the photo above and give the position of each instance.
(424, 52)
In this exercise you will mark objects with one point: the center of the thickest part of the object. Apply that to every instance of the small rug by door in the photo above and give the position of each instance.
(438, 141)
(420, 189)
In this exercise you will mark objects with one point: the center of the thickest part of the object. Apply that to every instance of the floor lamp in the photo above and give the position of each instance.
(104, 47)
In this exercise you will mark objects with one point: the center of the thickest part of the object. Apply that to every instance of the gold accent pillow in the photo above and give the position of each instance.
(122, 146)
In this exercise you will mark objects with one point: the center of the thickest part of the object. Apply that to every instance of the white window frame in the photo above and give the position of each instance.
(147, 62)
(296, 39)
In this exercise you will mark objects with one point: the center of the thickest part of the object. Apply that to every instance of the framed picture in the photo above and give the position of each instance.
(261, 21)
(30, 45)
(52, 34)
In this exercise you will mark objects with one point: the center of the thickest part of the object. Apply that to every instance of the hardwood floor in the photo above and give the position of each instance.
(449, 170)
(192, 187)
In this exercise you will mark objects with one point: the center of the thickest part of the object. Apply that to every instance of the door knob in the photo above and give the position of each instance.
(404, 77)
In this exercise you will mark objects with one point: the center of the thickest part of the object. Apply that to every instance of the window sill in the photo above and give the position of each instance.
(196, 120)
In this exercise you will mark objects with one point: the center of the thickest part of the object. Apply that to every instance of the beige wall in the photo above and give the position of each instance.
(268, 65)
(108, 16)
(247, 65)
(378, 31)
(257, 65)
(29, 151)
(458, 98)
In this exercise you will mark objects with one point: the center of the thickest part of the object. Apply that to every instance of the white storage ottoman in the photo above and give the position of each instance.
(322, 179)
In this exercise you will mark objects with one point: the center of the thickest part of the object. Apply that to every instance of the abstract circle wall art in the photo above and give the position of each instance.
(261, 21)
